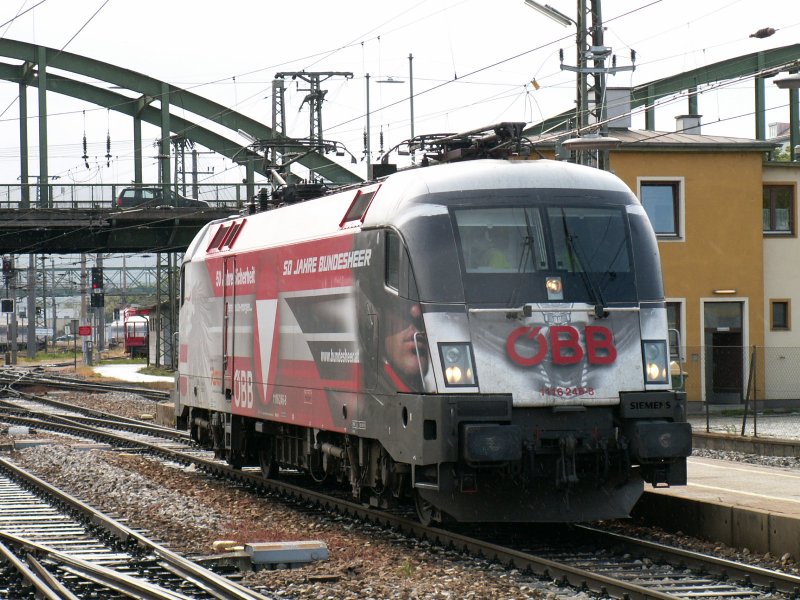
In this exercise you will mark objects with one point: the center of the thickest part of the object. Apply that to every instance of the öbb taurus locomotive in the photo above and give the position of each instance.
(488, 338)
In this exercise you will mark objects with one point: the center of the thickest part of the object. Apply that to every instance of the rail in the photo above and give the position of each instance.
(615, 574)
(211, 583)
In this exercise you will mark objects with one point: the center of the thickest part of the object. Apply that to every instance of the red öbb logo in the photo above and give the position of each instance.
(564, 344)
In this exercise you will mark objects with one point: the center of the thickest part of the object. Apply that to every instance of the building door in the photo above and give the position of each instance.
(724, 352)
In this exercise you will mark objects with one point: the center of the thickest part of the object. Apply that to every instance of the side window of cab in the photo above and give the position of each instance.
(393, 246)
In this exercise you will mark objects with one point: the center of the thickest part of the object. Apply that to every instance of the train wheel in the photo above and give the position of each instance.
(235, 458)
(316, 467)
(426, 512)
(266, 459)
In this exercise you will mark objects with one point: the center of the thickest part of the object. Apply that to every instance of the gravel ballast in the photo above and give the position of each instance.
(189, 511)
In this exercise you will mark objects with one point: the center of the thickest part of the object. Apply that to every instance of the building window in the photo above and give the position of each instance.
(778, 209)
(662, 202)
(674, 315)
(675, 325)
(779, 315)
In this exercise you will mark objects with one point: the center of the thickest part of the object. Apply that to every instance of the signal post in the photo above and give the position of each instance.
(97, 303)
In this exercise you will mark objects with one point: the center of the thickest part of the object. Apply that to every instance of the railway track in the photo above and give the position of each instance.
(59, 412)
(18, 377)
(651, 570)
(54, 546)
(589, 559)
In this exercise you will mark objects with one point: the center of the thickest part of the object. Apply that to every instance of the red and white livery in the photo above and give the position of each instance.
(488, 338)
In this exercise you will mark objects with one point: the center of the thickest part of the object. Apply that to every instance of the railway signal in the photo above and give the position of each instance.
(97, 279)
(98, 298)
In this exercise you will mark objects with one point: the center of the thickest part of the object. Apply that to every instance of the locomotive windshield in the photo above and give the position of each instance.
(509, 253)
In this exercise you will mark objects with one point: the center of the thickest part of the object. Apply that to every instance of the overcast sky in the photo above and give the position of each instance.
(473, 65)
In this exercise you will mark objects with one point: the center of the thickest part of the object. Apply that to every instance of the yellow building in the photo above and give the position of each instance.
(704, 197)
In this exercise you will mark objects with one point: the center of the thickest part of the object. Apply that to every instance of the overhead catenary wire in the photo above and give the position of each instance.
(89, 20)
(18, 15)
(461, 78)
(430, 89)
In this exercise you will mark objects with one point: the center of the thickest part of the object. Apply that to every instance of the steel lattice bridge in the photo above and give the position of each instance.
(37, 218)
(34, 220)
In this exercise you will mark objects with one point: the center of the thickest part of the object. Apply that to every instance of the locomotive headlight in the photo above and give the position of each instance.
(457, 363)
(655, 361)
(452, 355)
(453, 374)
(554, 287)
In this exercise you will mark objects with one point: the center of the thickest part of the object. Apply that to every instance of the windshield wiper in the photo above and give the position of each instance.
(595, 294)
(528, 253)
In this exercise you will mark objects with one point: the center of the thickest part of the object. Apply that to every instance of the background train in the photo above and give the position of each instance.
(136, 331)
(487, 338)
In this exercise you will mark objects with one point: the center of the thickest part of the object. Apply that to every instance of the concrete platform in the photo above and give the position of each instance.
(165, 414)
(740, 505)
(129, 372)
(766, 446)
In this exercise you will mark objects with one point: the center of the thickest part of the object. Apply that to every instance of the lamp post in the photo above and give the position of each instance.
(791, 82)
(390, 79)
(594, 117)
(411, 91)
(367, 147)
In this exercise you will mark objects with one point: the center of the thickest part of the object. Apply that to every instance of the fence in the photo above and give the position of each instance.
(102, 195)
(745, 391)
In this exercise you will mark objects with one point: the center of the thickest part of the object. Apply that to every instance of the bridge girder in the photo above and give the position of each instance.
(66, 231)
(149, 89)
(766, 62)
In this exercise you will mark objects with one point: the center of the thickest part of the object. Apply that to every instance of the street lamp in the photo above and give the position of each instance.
(595, 117)
(551, 13)
(591, 141)
(790, 82)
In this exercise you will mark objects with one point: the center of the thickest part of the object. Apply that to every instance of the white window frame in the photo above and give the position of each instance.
(682, 315)
(792, 231)
(788, 303)
(681, 224)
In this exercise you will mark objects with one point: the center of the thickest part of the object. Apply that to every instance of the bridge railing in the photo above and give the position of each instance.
(103, 195)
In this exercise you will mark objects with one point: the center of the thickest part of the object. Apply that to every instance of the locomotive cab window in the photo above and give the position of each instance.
(501, 240)
(590, 240)
(398, 274)
(546, 253)
(359, 206)
(392, 260)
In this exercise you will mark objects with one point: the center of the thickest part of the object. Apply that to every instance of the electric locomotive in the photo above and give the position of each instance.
(487, 338)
